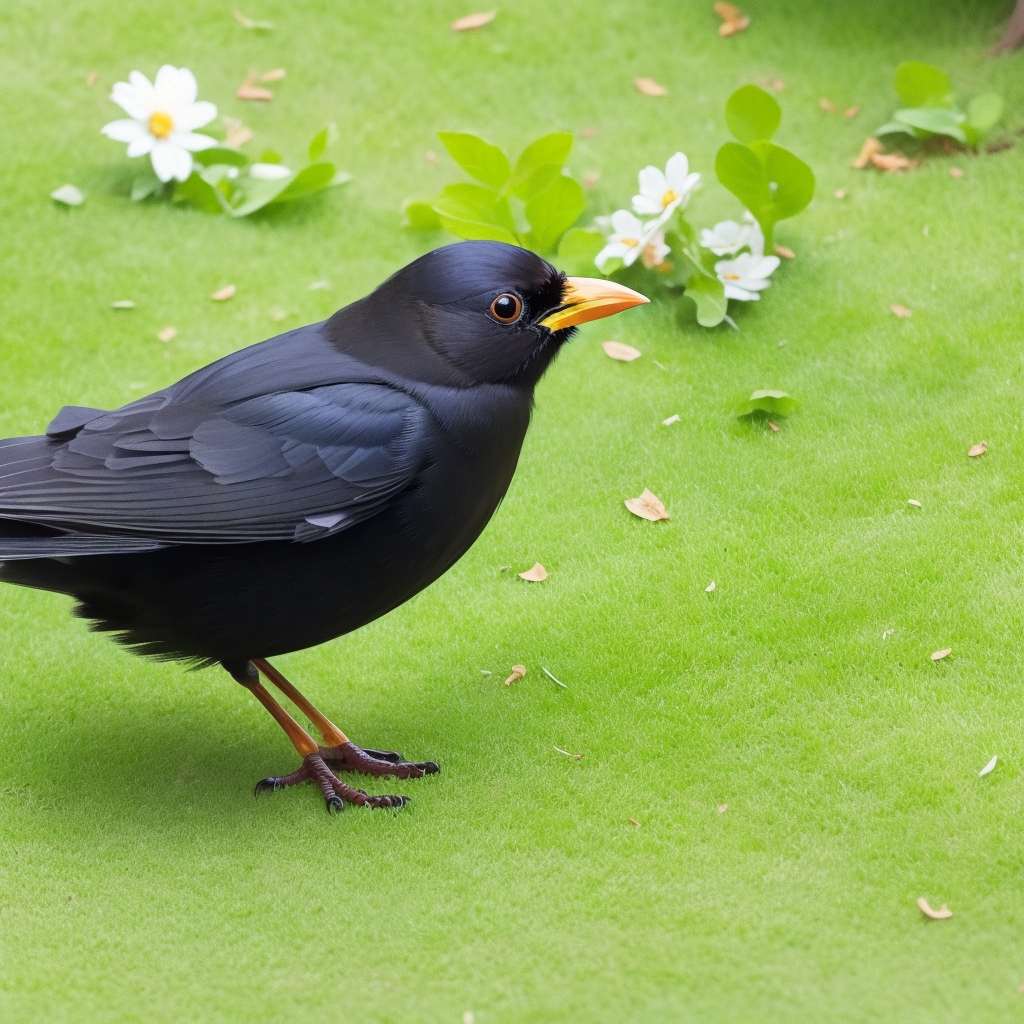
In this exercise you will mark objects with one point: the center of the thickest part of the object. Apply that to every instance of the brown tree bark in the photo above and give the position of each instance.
(1013, 34)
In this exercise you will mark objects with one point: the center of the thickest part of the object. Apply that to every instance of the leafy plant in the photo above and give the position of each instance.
(224, 180)
(930, 108)
(766, 403)
(531, 203)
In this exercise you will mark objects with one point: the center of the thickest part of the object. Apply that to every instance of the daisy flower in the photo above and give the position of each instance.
(727, 238)
(662, 192)
(162, 118)
(655, 251)
(628, 239)
(746, 275)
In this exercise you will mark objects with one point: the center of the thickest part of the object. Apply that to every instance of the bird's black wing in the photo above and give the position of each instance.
(189, 465)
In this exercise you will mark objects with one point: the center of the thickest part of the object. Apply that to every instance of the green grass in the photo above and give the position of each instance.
(139, 881)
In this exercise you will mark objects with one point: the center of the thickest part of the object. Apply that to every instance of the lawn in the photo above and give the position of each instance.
(140, 881)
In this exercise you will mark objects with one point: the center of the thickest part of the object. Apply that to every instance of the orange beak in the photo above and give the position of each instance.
(589, 298)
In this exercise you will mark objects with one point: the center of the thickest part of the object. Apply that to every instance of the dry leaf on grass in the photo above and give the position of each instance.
(249, 90)
(535, 575)
(237, 133)
(575, 757)
(893, 162)
(888, 633)
(649, 87)
(273, 76)
(710, 588)
(671, 419)
(278, 314)
(518, 671)
(471, 21)
(168, 334)
(468, 1018)
(828, 106)
(430, 156)
(785, 252)
(956, 172)
(733, 19)
(319, 285)
(988, 767)
(68, 195)
(979, 449)
(590, 180)
(944, 653)
(935, 915)
(867, 151)
(633, 821)
(722, 808)
(553, 679)
(770, 83)
(775, 428)
(123, 304)
(647, 506)
(851, 111)
(588, 133)
(840, 193)
(900, 311)
(224, 293)
(623, 353)
(92, 79)
(249, 23)
(914, 502)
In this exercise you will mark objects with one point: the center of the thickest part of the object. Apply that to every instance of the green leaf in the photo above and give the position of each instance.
(474, 212)
(200, 193)
(538, 164)
(893, 127)
(933, 121)
(984, 112)
(921, 85)
(271, 156)
(790, 180)
(554, 211)
(317, 145)
(752, 115)
(220, 155)
(709, 295)
(768, 403)
(313, 178)
(145, 185)
(420, 216)
(479, 159)
(577, 250)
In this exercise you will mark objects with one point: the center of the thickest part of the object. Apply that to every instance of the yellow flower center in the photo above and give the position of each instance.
(630, 241)
(731, 277)
(669, 197)
(161, 124)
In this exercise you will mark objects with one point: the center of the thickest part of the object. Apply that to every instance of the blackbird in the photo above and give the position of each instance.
(302, 487)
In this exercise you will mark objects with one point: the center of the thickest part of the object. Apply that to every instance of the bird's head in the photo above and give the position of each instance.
(483, 312)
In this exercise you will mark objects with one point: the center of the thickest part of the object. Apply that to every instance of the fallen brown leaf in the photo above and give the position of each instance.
(430, 156)
(535, 575)
(168, 334)
(900, 311)
(577, 757)
(956, 172)
(249, 90)
(944, 653)
(770, 83)
(828, 106)
(1020, 988)
(733, 19)
(471, 21)
(935, 915)
(649, 87)
(775, 429)
(518, 671)
(647, 506)
(999, 146)
(851, 111)
(979, 449)
(224, 294)
(623, 353)
(722, 808)
(867, 151)
(893, 162)
(92, 79)
(914, 502)
(785, 252)
(249, 23)
(273, 76)
(633, 821)
(237, 133)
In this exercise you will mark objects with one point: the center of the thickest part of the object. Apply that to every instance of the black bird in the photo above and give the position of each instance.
(300, 488)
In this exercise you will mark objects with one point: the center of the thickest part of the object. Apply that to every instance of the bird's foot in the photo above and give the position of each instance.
(336, 793)
(347, 757)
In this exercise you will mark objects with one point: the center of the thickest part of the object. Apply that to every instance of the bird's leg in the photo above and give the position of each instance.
(341, 753)
(313, 768)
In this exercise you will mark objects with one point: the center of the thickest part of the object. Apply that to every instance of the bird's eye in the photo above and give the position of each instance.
(507, 308)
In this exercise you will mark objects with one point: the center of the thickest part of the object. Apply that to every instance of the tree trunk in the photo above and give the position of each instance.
(1013, 34)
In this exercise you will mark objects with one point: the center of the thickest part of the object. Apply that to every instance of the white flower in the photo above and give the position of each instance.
(628, 240)
(746, 275)
(162, 118)
(727, 238)
(662, 193)
(655, 251)
(269, 172)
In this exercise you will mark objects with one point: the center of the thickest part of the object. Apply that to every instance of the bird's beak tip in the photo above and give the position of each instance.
(589, 298)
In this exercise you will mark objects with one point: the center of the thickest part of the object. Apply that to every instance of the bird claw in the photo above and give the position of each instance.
(347, 757)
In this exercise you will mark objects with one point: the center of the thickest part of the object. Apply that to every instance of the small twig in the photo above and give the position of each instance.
(553, 679)
(578, 757)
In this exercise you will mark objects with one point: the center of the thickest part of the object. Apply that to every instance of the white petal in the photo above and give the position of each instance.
(624, 223)
(675, 172)
(629, 257)
(732, 292)
(196, 116)
(124, 130)
(647, 204)
(610, 251)
(194, 141)
(170, 161)
(141, 146)
(174, 89)
(653, 183)
(269, 172)
(766, 266)
(135, 102)
(754, 284)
